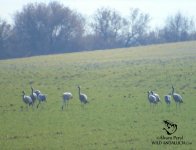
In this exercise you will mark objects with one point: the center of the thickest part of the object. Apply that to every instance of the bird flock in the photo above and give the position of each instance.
(37, 95)
(31, 99)
(154, 98)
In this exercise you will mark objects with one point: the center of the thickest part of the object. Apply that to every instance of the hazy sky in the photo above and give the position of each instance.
(157, 9)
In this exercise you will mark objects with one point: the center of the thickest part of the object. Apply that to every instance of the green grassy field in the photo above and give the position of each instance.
(116, 82)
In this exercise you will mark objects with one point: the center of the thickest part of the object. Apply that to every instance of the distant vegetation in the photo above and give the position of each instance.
(41, 28)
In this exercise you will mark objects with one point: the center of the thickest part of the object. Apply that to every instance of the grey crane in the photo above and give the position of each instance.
(167, 99)
(33, 95)
(177, 97)
(82, 97)
(158, 99)
(151, 98)
(27, 99)
(37, 92)
(66, 97)
(41, 98)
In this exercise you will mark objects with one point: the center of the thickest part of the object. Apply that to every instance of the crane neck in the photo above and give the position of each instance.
(79, 90)
(172, 90)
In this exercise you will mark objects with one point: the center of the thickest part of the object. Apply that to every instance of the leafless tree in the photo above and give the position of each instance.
(5, 31)
(178, 28)
(48, 28)
(135, 27)
(106, 26)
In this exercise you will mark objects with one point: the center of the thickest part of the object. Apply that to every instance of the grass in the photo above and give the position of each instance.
(116, 83)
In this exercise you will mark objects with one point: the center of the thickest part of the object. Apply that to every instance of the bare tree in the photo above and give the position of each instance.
(41, 28)
(135, 27)
(106, 26)
(5, 31)
(52, 28)
(67, 28)
(178, 28)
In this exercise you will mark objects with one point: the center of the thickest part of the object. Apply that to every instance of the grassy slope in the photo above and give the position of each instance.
(116, 82)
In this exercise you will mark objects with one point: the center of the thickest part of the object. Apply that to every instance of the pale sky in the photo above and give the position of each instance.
(157, 9)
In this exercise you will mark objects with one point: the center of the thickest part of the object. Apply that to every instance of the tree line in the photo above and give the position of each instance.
(40, 29)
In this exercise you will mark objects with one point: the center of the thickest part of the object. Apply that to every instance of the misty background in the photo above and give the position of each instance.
(51, 28)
